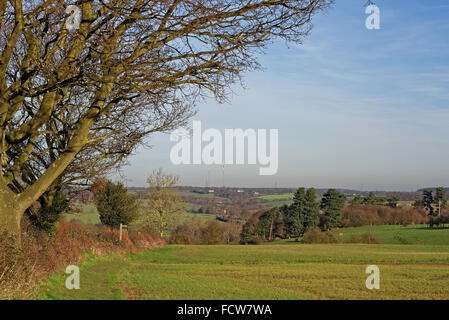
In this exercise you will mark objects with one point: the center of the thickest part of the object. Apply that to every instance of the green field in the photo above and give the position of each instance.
(203, 216)
(261, 272)
(85, 213)
(282, 196)
(413, 234)
(277, 200)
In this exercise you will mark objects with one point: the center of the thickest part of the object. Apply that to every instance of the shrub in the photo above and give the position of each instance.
(315, 235)
(115, 205)
(367, 237)
(360, 215)
(437, 221)
(212, 232)
(48, 216)
(197, 231)
(188, 232)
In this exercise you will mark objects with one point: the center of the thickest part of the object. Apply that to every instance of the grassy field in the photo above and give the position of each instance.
(277, 200)
(283, 196)
(203, 216)
(85, 213)
(261, 272)
(413, 234)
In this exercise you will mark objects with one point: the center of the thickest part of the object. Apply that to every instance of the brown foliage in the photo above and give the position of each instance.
(39, 256)
(359, 215)
(315, 235)
(97, 185)
(196, 231)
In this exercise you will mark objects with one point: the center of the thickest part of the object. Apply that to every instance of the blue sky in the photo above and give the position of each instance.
(355, 108)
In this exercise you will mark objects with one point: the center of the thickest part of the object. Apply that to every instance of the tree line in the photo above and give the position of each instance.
(292, 221)
(307, 213)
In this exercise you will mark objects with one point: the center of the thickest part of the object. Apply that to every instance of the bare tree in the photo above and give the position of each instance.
(131, 68)
(164, 206)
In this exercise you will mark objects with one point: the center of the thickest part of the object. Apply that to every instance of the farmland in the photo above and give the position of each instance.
(396, 234)
(412, 259)
(261, 272)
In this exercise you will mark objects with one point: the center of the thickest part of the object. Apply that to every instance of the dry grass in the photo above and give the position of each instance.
(20, 269)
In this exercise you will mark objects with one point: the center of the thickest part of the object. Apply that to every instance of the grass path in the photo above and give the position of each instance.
(261, 272)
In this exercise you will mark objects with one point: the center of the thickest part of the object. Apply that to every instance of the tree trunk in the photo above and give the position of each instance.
(271, 229)
(10, 216)
(13, 206)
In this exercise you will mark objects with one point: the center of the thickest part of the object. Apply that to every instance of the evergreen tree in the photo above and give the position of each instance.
(332, 203)
(295, 223)
(392, 202)
(311, 210)
(371, 199)
(299, 199)
(427, 198)
(356, 200)
(116, 206)
(267, 223)
(295, 214)
(418, 204)
(440, 199)
(250, 229)
(280, 226)
(50, 212)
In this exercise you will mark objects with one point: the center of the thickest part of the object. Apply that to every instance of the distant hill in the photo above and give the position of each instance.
(402, 195)
(432, 188)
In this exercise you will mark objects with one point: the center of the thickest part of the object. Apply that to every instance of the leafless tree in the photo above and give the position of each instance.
(68, 98)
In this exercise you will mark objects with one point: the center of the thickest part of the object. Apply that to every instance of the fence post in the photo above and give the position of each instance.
(121, 228)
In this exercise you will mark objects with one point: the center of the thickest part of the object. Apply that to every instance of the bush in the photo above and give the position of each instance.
(188, 232)
(437, 221)
(197, 231)
(212, 232)
(255, 240)
(362, 215)
(115, 205)
(48, 216)
(367, 237)
(315, 235)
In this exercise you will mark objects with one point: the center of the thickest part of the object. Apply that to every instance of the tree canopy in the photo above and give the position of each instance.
(332, 203)
(116, 206)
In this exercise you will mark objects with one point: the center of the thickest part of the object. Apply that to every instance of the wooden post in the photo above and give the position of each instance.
(122, 228)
